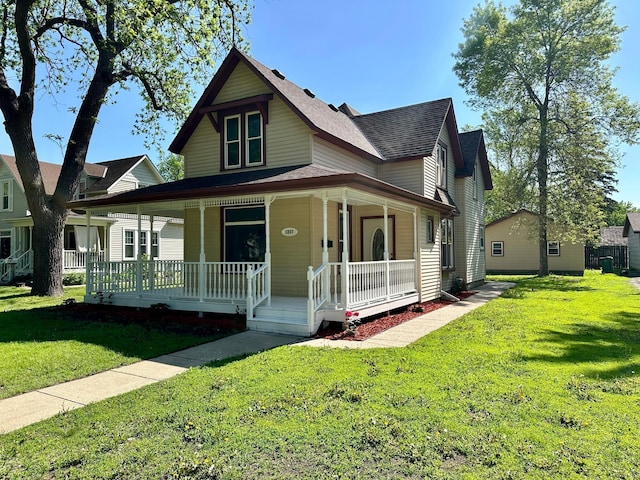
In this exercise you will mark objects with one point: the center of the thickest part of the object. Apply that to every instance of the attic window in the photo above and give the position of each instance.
(310, 93)
(278, 74)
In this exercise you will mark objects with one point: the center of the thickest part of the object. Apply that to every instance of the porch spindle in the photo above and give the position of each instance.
(151, 259)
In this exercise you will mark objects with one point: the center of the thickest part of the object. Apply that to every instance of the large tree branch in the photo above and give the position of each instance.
(27, 84)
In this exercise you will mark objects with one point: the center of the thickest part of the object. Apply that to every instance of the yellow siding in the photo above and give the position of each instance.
(521, 251)
(212, 234)
(429, 258)
(291, 256)
(328, 155)
(408, 175)
(287, 137)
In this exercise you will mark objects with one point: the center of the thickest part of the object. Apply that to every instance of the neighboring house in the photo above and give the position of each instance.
(297, 212)
(513, 247)
(109, 237)
(631, 231)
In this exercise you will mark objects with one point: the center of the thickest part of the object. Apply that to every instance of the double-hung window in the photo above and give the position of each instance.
(6, 190)
(553, 249)
(144, 244)
(155, 244)
(430, 229)
(497, 249)
(441, 166)
(243, 140)
(446, 252)
(129, 244)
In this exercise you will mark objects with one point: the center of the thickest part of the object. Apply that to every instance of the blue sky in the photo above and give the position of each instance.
(372, 54)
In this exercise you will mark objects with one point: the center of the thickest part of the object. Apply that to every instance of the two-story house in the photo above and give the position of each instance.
(110, 237)
(297, 211)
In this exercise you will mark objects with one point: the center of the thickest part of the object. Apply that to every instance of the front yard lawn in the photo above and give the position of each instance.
(42, 343)
(540, 383)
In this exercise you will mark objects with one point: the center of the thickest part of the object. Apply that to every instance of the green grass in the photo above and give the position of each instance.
(540, 383)
(41, 345)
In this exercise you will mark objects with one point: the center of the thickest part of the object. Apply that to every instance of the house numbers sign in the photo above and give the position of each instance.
(289, 232)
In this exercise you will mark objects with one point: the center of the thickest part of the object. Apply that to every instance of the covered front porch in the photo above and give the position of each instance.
(288, 260)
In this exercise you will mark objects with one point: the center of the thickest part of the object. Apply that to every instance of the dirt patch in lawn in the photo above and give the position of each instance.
(379, 323)
(174, 321)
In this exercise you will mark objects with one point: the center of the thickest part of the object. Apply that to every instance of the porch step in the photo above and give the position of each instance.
(287, 315)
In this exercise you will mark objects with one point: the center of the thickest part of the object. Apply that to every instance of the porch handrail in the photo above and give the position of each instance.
(72, 259)
(257, 291)
(368, 282)
(24, 261)
(318, 293)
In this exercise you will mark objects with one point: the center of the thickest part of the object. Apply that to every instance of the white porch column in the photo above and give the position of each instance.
(138, 256)
(87, 267)
(345, 251)
(325, 240)
(201, 274)
(415, 249)
(385, 214)
(268, 200)
(152, 270)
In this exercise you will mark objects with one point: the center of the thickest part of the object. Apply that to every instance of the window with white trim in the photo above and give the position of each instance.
(441, 166)
(243, 135)
(481, 237)
(553, 249)
(497, 249)
(431, 233)
(6, 189)
(129, 244)
(474, 179)
(244, 234)
(446, 239)
(144, 244)
(155, 244)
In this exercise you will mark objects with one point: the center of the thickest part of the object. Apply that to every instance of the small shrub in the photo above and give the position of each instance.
(73, 279)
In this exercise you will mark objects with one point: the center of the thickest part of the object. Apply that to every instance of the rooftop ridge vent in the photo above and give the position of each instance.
(278, 74)
(310, 93)
(333, 107)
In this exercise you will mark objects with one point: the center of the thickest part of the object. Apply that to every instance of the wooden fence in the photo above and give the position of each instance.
(620, 254)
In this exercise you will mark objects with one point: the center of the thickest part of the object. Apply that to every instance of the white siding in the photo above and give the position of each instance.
(128, 182)
(634, 250)
(171, 236)
(407, 175)
(429, 173)
(19, 200)
(144, 174)
(328, 155)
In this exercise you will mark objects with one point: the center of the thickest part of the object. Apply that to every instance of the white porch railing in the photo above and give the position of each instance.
(319, 292)
(371, 282)
(258, 288)
(74, 260)
(175, 278)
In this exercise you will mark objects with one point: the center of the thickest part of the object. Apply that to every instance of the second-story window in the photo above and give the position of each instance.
(243, 140)
(6, 190)
(441, 166)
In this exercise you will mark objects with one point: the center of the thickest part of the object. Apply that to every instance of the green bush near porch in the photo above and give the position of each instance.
(541, 383)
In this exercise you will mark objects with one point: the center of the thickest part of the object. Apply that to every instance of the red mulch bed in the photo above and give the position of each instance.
(379, 323)
(174, 321)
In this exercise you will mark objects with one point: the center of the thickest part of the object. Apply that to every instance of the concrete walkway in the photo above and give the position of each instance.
(22, 410)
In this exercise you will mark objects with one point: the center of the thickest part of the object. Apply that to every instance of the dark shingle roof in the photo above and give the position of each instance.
(115, 169)
(470, 143)
(631, 223)
(406, 132)
(610, 236)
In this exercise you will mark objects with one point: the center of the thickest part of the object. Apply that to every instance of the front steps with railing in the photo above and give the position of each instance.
(285, 315)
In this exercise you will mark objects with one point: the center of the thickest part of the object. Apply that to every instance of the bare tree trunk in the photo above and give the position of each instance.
(542, 170)
(47, 259)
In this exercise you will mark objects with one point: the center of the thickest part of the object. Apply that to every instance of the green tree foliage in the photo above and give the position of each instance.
(95, 47)
(171, 167)
(615, 212)
(544, 62)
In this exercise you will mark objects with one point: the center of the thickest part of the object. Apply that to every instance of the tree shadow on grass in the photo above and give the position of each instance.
(141, 333)
(617, 341)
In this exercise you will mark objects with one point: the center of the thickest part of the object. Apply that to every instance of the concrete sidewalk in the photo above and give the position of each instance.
(22, 410)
